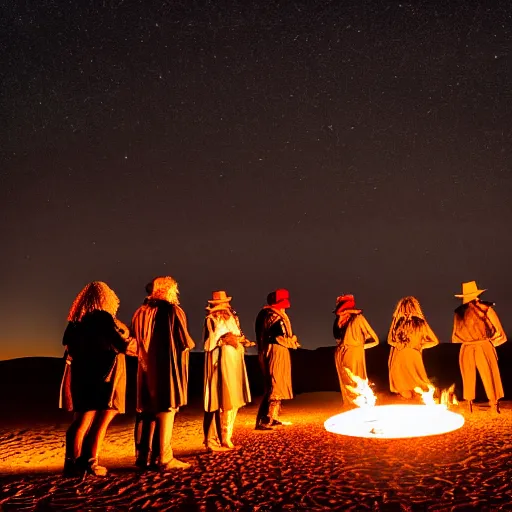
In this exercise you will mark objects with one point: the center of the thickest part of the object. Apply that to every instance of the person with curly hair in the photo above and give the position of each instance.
(94, 381)
(226, 384)
(477, 327)
(408, 335)
(160, 327)
(353, 336)
(275, 339)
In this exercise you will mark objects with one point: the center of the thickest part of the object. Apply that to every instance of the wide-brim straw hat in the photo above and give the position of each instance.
(219, 297)
(470, 291)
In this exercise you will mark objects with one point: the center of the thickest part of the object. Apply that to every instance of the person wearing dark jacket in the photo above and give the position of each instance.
(94, 381)
(160, 327)
(275, 339)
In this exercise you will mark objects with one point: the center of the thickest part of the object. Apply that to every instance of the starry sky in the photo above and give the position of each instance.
(326, 147)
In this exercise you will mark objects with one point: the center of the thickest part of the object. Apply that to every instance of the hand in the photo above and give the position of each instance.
(229, 339)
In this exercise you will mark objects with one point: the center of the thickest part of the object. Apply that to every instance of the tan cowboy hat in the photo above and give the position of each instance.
(470, 291)
(219, 297)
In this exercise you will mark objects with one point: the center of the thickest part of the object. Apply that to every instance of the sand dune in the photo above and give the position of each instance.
(299, 467)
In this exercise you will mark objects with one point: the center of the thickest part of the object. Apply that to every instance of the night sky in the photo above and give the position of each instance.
(326, 147)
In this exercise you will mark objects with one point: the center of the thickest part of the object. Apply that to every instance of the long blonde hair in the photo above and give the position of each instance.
(406, 309)
(95, 295)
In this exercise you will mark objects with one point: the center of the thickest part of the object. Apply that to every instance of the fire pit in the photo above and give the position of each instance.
(398, 420)
(395, 421)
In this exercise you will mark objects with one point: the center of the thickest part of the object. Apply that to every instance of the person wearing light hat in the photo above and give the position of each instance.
(353, 335)
(226, 384)
(160, 327)
(275, 339)
(477, 326)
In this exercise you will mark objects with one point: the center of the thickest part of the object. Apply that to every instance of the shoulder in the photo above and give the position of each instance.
(461, 310)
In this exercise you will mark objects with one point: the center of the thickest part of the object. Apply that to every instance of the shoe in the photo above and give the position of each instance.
(174, 464)
(216, 448)
(73, 468)
(228, 445)
(213, 445)
(142, 463)
(496, 408)
(264, 426)
(93, 468)
(276, 423)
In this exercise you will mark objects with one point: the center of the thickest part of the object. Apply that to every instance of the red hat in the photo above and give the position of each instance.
(344, 302)
(279, 298)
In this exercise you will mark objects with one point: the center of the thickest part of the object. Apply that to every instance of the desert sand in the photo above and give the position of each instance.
(296, 467)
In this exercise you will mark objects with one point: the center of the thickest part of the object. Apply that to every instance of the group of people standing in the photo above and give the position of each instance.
(476, 327)
(94, 380)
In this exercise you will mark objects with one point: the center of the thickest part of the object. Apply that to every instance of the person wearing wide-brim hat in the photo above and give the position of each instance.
(226, 384)
(275, 339)
(353, 336)
(477, 326)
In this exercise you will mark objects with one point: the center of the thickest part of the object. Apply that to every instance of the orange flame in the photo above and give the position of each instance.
(365, 395)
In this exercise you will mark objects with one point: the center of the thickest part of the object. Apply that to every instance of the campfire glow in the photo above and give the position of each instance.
(395, 421)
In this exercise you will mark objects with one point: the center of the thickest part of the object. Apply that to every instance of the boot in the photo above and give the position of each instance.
(273, 413)
(212, 444)
(73, 468)
(228, 422)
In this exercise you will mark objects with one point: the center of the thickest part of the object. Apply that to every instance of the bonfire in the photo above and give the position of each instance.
(398, 420)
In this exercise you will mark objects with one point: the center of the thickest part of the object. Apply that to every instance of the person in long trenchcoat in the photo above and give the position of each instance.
(160, 327)
(226, 384)
(353, 336)
(477, 327)
(275, 338)
(408, 335)
(94, 380)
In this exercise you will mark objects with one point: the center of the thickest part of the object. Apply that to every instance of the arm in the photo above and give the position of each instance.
(429, 339)
(498, 337)
(456, 338)
(370, 337)
(288, 342)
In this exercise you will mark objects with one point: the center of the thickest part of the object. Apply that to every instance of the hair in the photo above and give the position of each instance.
(164, 288)
(407, 309)
(95, 296)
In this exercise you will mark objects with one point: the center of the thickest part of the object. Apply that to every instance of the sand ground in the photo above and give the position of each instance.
(298, 467)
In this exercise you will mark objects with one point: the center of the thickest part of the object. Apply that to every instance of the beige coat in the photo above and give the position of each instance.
(226, 384)
(480, 331)
(357, 337)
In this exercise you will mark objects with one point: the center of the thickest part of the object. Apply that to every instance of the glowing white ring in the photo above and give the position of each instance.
(395, 421)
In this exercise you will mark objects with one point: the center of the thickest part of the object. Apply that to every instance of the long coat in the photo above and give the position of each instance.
(274, 337)
(405, 363)
(479, 331)
(352, 342)
(163, 353)
(95, 372)
(226, 384)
